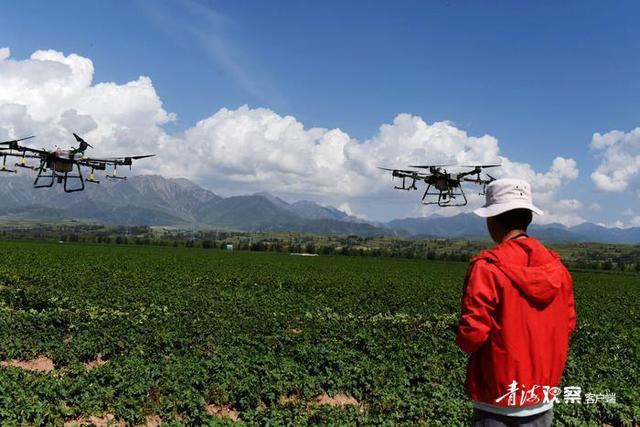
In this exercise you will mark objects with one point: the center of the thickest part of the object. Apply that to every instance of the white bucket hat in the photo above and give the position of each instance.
(505, 195)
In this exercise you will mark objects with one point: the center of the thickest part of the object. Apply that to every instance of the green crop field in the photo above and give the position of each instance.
(194, 336)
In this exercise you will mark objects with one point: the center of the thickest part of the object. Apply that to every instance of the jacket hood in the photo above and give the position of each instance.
(535, 270)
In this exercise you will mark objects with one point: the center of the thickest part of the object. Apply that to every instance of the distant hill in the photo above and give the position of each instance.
(470, 226)
(154, 200)
(467, 226)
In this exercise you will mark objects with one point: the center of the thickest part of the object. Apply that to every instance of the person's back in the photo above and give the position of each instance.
(517, 316)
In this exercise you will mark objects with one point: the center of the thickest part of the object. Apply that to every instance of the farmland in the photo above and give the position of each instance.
(140, 334)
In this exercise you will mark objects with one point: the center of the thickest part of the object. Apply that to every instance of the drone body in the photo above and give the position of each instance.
(443, 188)
(58, 165)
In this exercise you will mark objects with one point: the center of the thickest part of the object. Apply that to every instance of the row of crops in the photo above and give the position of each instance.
(189, 336)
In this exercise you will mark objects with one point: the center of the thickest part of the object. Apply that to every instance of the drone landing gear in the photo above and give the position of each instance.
(50, 179)
(92, 177)
(78, 177)
(114, 175)
(115, 178)
(23, 164)
(445, 197)
(4, 166)
(404, 187)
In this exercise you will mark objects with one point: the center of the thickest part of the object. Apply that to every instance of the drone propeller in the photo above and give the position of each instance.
(128, 159)
(14, 141)
(429, 166)
(83, 144)
(398, 170)
(140, 157)
(480, 166)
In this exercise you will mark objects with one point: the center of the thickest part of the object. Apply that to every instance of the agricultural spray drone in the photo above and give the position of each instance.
(58, 165)
(443, 188)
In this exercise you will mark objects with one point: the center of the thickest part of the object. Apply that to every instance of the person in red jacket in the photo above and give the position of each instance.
(517, 316)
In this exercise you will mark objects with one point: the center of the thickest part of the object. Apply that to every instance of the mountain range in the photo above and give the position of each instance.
(157, 201)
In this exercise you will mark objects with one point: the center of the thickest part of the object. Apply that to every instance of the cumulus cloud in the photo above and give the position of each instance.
(565, 211)
(248, 149)
(619, 168)
(51, 94)
(257, 147)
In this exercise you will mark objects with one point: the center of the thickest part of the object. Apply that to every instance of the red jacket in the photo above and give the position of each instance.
(517, 315)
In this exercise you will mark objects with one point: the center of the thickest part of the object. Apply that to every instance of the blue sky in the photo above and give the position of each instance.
(541, 77)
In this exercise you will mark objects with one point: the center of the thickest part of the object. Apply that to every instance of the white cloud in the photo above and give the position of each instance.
(595, 206)
(258, 145)
(635, 221)
(600, 141)
(51, 94)
(248, 149)
(346, 208)
(258, 148)
(619, 167)
(615, 224)
(564, 211)
(569, 204)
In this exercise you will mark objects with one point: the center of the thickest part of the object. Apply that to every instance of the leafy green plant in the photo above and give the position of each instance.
(265, 334)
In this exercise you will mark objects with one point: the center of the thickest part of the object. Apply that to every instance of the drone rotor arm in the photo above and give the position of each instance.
(18, 153)
(410, 174)
(116, 160)
(477, 181)
(462, 175)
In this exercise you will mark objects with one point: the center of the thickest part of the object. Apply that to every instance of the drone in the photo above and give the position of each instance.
(443, 188)
(58, 165)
